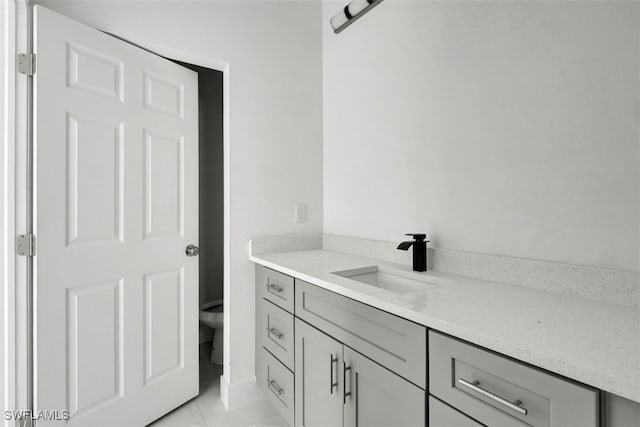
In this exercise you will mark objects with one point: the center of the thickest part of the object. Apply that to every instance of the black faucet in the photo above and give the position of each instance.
(419, 250)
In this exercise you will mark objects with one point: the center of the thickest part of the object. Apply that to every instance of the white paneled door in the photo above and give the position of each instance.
(116, 185)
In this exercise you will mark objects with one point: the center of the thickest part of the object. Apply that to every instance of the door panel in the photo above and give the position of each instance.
(163, 94)
(116, 305)
(163, 324)
(379, 397)
(90, 340)
(95, 178)
(317, 402)
(163, 185)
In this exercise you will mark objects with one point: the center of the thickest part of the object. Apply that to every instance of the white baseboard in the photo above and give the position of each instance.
(236, 395)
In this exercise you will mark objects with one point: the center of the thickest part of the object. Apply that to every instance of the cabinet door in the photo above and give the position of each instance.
(318, 378)
(378, 397)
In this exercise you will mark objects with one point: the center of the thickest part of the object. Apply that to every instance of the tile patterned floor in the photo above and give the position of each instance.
(207, 410)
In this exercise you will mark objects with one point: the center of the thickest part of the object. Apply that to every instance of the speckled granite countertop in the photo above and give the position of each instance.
(596, 343)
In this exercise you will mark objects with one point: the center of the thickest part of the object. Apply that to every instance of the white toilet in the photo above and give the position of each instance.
(212, 315)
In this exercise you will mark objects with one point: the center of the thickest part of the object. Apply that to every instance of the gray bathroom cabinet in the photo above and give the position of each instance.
(326, 360)
(336, 386)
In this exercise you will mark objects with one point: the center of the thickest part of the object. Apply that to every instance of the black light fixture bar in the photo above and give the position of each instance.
(351, 13)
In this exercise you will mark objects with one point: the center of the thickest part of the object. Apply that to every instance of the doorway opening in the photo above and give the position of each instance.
(211, 223)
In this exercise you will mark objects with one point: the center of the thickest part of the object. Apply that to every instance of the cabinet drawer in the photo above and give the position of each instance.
(393, 342)
(275, 331)
(275, 287)
(441, 415)
(276, 382)
(498, 391)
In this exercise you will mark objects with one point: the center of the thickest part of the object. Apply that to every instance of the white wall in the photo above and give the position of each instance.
(275, 159)
(498, 127)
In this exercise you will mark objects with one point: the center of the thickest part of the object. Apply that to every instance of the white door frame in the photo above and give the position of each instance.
(14, 209)
(7, 152)
(13, 200)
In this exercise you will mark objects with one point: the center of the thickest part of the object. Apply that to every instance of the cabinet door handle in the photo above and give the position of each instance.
(273, 288)
(345, 394)
(331, 381)
(475, 386)
(356, 398)
(276, 333)
(273, 386)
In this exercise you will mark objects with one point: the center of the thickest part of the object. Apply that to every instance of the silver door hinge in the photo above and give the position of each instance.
(27, 63)
(26, 245)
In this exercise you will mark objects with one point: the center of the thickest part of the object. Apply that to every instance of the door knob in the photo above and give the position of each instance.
(192, 250)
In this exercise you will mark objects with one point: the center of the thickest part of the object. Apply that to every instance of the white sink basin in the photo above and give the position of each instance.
(394, 281)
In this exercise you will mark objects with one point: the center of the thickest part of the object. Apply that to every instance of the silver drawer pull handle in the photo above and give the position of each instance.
(475, 386)
(275, 288)
(333, 383)
(346, 394)
(275, 387)
(277, 333)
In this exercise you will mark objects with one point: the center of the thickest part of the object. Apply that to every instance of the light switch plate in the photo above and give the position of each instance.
(301, 212)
